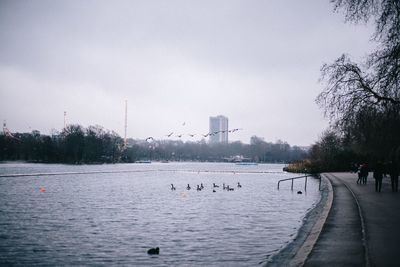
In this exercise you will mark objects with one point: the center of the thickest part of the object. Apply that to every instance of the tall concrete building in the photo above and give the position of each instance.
(218, 129)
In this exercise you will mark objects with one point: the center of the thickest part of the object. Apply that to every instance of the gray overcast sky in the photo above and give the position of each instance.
(256, 62)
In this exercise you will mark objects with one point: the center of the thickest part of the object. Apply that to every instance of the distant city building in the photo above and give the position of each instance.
(218, 129)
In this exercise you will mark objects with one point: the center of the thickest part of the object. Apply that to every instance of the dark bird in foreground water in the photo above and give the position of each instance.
(154, 251)
(299, 192)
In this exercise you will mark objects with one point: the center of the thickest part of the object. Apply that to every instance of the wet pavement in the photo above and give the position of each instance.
(363, 226)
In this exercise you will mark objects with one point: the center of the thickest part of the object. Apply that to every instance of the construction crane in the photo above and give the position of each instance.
(126, 122)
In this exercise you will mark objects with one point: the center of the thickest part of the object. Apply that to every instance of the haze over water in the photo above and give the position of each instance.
(113, 218)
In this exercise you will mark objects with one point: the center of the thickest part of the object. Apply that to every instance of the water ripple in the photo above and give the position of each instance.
(113, 214)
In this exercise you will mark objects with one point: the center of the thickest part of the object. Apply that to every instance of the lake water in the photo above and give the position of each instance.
(114, 213)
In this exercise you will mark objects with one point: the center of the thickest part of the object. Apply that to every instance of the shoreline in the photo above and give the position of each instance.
(296, 252)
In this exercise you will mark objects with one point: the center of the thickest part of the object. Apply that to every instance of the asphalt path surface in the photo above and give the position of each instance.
(363, 226)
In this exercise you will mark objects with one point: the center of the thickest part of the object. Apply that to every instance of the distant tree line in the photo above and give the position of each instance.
(75, 145)
(79, 145)
(257, 151)
(362, 100)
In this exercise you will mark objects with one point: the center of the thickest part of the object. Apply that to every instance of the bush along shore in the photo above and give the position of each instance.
(304, 166)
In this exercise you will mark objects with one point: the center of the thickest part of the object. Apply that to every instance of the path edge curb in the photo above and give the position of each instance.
(304, 251)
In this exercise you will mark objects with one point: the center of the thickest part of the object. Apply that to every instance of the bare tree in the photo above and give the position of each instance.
(362, 99)
(376, 82)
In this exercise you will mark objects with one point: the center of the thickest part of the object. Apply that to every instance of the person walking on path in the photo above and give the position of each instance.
(364, 173)
(378, 175)
(394, 175)
(359, 180)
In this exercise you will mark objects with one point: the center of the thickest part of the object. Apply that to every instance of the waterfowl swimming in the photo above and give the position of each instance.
(154, 251)
(239, 185)
(201, 186)
(214, 185)
(173, 187)
(214, 191)
(223, 186)
(188, 187)
(299, 192)
(198, 188)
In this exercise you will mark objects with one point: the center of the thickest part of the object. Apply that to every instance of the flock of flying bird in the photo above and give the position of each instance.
(201, 187)
(150, 138)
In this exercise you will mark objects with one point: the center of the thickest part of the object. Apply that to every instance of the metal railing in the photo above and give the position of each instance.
(300, 177)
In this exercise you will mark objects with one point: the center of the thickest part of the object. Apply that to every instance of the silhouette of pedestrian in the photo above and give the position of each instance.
(394, 175)
(378, 175)
(359, 180)
(364, 173)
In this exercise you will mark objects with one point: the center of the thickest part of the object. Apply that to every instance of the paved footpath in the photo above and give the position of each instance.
(363, 226)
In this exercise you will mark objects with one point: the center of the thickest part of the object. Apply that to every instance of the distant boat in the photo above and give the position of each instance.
(246, 163)
(143, 161)
(237, 159)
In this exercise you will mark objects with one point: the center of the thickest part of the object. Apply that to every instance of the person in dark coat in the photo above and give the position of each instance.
(359, 180)
(364, 172)
(394, 175)
(378, 175)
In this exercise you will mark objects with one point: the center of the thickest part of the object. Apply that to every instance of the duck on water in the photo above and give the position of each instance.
(153, 251)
